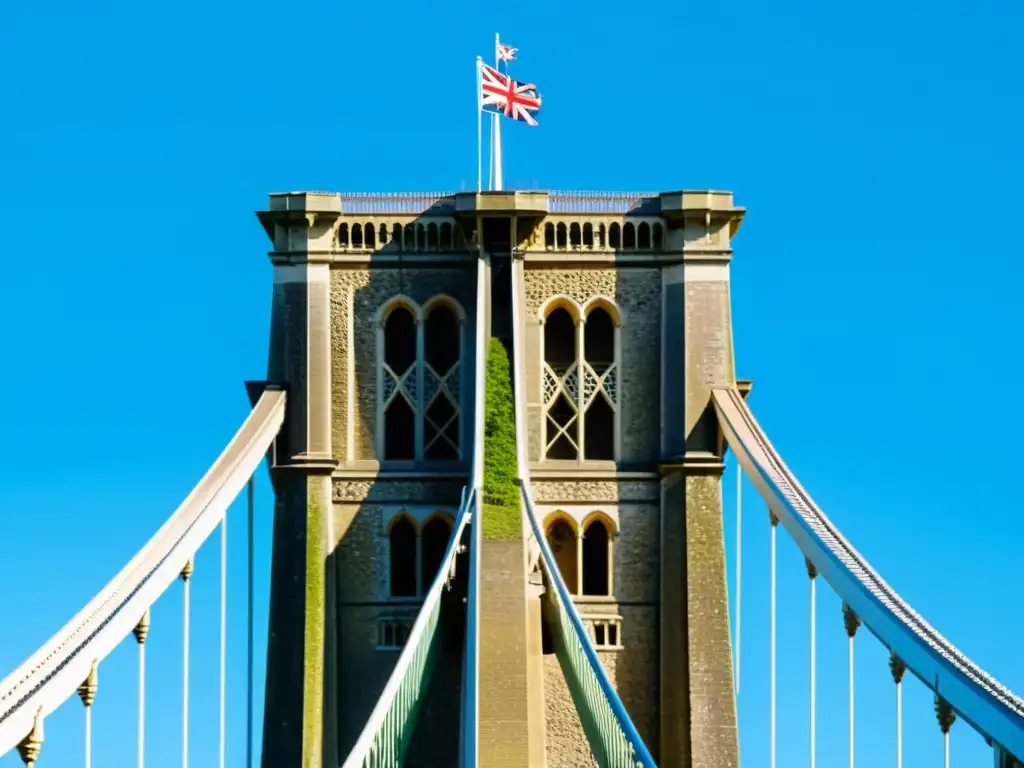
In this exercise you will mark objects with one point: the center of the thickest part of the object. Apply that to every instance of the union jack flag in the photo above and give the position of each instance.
(508, 97)
(505, 52)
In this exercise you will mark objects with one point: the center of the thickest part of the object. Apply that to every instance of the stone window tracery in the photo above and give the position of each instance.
(420, 381)
(580, 384)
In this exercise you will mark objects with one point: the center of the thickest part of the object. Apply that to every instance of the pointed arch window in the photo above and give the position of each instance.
(580, 375)
(416, 552)
(420, 381)
(583, 553)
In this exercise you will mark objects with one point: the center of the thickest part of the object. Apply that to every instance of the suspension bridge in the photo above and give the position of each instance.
(401, 633)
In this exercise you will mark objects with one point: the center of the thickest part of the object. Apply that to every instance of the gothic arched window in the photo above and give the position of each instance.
(584, 559)
(399, 379)
(402, 557)
(415, 553)
(580, 373)
(596, 559)
(420, 381)
(442, 343)
(561, 538)
(433, 545)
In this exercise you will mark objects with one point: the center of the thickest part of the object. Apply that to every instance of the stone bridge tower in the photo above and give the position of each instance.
(626, 328)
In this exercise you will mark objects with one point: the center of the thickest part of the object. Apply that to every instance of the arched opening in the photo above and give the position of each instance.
(599, 340)
(613, 236)
(643, 236)
(371, 238)
(446, 237)
(559, 340)
(600, 236)
(549, 236)
(382, 235)
(396, 235)
(562, 540)
(599, 430)
(574, 235)
(562, 425)
(628, 235)
(432, 236)
(595, 560)
(433, 545)
(658, 235)
(442, 349)
(399, 357)
(421, 238)
(357, 235)
(343, 236)
(409, 243)
(560, 236)
(402, 561)
(588, 235)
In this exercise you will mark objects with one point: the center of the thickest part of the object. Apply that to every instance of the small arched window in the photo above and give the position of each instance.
(588, 235)
(433, 545)
(409, 242)
(614, 240)
(628, 236)
(574, 235)
(658, 236)
(562, 540)
(371, 238)
(643, 236)
(382, 235)
(402, 557)
(357, 235)
(596, 559)
(560, 236)
(549, 236)
(343, 236)
(446, 237)
(396, 235)
(431, 236)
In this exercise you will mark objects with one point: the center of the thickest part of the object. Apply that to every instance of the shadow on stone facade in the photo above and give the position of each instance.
(370, 489)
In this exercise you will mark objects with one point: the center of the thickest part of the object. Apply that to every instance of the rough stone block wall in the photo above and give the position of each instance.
(633, 669)
(636, 291)
(713, 732)
(361, 511)
(357, 295)
(708, 353)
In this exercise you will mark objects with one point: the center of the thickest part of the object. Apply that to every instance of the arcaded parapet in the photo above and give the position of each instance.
(632, 296)
(359, 297)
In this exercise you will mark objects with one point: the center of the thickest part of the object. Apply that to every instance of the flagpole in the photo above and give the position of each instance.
(496, 124)
(479, 125)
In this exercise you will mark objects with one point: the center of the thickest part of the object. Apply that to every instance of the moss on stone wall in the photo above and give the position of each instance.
(501, 516)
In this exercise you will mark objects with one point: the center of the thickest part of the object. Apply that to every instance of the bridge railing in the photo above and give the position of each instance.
(387, 732)
(468, 750)
(613, 738)
(959, 686)
(68, 663)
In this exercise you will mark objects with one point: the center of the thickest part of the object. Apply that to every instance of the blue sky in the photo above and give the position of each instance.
(876, 146)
